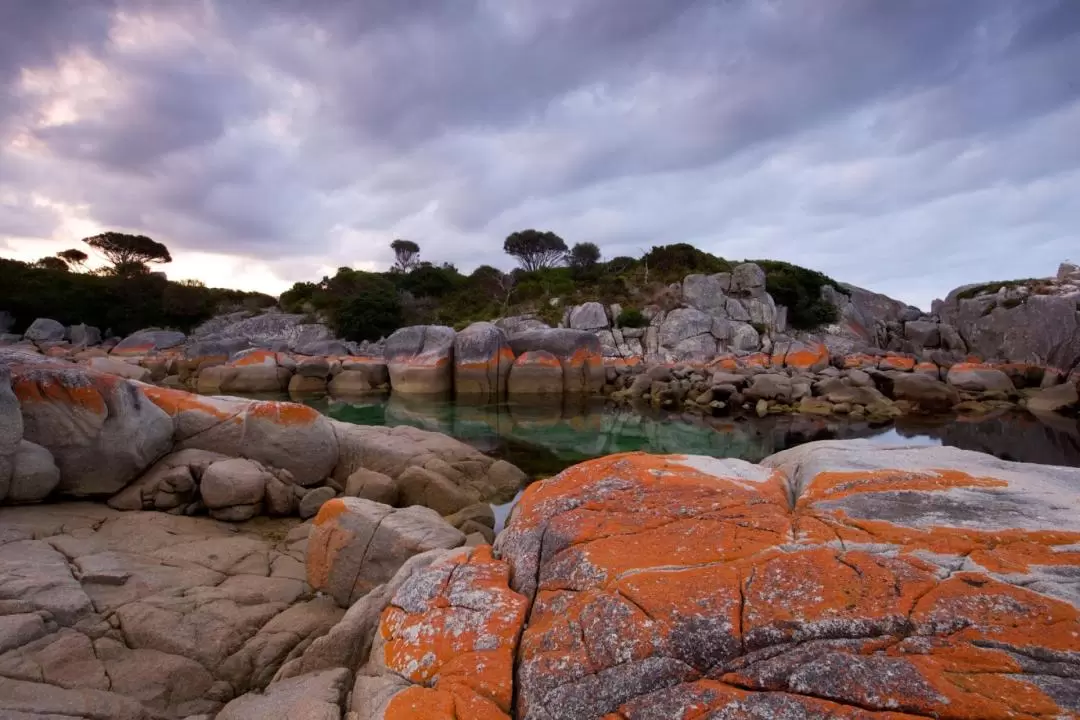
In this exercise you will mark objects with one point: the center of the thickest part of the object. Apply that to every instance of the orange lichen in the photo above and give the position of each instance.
(175, 402)
(256, 357)
(283, 413)
(56, 390)
(462, 642)
(836, 485)
(860, 361)
(804, 359)
(756, 360)
(896, 362)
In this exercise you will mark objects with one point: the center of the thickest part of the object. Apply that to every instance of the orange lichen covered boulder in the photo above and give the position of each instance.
(482, 360)
(420, 359)
(578, 352)
(284, 435)
(452, 631)
(801, 356)
(837, 579)
(897, 362)
(536, 372)
(145, 342)
(100, 428)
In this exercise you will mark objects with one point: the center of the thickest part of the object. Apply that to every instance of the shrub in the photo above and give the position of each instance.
(671, 263)
(799, 290)
(631, 318)
(372, 312)
(993, 287)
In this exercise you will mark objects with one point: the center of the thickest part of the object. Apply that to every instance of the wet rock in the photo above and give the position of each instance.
(978, 378)
(305, 384)
(482, 361)
(1054, 399)
(536, 372)
(420, 359)
(356, 544)
(578, 352)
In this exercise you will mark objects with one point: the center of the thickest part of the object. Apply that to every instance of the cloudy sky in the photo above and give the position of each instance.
(907, 146)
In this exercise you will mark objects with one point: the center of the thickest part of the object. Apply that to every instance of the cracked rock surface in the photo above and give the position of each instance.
(107, 614)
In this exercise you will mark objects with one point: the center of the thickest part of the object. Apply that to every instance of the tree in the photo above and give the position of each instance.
(535, 250)
(129, 254)
(73, 258)
(406, 254)
(52, 263)
(584, 255)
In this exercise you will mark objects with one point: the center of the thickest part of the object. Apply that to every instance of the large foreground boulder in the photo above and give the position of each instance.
(356, 544)
(838, 579)
(420, 359)
(482, 360)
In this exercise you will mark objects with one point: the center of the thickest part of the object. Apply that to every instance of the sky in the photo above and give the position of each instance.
(906, 147)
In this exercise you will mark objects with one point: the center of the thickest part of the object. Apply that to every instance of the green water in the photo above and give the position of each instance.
(544, 439)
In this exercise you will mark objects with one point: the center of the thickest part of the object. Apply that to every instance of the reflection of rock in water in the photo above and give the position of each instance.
(1050, 440)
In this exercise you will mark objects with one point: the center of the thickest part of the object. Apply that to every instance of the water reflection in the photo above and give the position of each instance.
(544, 439)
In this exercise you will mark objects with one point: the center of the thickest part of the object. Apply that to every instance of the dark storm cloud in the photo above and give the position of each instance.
(821, 131)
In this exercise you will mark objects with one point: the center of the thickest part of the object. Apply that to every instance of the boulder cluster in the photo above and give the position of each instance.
(68, 429)
(806, 379)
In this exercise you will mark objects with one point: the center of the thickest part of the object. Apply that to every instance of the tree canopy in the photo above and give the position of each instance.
(129, 254)
(406, 254)
(584, 255)
(73, 257)
(535, 250)
(52, 263)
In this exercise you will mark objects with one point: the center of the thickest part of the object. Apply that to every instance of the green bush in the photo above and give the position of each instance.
(372, 312)
(631, 318)
(799, 290)
(992, 287)
(671, 263)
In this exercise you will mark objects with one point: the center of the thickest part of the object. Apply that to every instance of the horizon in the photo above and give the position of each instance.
(906, 149)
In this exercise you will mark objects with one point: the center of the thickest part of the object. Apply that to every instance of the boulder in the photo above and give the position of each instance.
(283, 435)
(577, 351)
(83, 335)
(801, 356)
(978, 378)
(245, 379)
(770, 386)
(744, 338)
(420, 359)
(119, 367)
(1054, 399)
(302, 384)
(374, 486)
(536, 372)
(11, 431)
(748, 279)
(683, 324)
(313, 367)
(34, 476)
(482, 361)
(707, 292)
(235, 481)
(45, 330)
(313, 500)
(356, 545)
(590, 316)
(925, 393)
(468, 667)
(923, 333)
(171, 482)
(145, 342)
(923, 573)
(100, 429)
(424, 487)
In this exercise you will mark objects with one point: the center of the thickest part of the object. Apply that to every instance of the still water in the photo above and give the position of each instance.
(543, 440)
